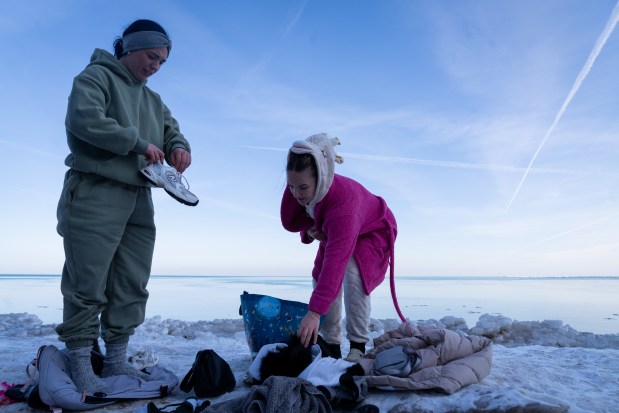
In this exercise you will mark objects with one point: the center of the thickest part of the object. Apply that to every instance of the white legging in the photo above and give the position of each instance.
(358, 307)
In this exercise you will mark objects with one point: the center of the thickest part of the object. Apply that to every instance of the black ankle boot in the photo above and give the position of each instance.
(329, 350)
(335, 350)
(358, 346)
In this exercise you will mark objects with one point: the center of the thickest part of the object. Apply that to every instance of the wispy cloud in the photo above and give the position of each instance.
(610, 26)
(31, 150)
(51, 195)
(246, 211)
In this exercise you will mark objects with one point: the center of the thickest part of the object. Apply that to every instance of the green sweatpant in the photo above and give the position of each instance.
(108, 232)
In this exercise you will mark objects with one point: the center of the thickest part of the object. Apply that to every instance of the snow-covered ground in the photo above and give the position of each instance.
(538, 366)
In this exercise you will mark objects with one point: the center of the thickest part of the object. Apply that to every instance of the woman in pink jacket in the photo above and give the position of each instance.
(356, 232)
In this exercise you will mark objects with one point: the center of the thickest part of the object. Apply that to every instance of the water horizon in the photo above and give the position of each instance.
(587, 304)
(405, 277)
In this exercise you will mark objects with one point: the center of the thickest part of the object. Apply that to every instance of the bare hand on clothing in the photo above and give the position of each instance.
(308, 330)
(316, 234)
(154, 154)
(181, 159)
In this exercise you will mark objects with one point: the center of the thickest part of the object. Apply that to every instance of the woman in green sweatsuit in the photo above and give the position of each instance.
(115, 126)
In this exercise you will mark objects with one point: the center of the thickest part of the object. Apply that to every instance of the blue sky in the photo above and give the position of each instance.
(490, 127)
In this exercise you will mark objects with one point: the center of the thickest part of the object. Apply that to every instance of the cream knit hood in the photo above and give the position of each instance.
(321, 147)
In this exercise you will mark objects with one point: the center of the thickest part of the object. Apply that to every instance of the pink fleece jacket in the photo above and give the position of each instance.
(357, 224)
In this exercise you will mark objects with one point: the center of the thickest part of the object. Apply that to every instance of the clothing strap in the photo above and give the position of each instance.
(391, 261)
(188, 381)
(392, 283)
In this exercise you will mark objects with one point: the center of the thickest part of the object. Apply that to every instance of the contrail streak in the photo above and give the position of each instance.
(293, 22)
(425, 162)
(445, 164)
(569, 231)
(610, 26)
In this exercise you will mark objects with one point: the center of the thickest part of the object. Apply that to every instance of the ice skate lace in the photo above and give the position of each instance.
(175, 176)
(144, 358)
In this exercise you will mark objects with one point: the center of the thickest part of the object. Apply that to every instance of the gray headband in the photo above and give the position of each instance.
(145, 40)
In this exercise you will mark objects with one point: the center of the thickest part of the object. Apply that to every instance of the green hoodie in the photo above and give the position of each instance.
(111, 119)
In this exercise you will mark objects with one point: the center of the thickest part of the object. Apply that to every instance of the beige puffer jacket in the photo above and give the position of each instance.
(449, 361)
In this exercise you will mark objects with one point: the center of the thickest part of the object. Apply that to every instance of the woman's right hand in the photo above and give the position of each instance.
(316, 234)
(154, 154)
(308, 330)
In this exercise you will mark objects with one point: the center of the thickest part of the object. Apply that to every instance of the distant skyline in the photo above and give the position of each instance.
(489, 127)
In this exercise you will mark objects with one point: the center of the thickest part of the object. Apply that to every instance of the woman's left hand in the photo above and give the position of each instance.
(308, 330)
(181, 159)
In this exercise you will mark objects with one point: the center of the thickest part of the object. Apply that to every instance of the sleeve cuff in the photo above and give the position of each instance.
(140, 146)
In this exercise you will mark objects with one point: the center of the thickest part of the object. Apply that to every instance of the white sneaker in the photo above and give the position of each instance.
(169, 179)
(354, 355)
